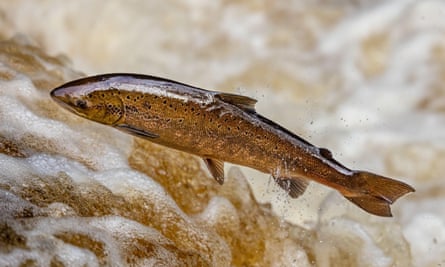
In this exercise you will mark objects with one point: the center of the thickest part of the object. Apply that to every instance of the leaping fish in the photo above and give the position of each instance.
(221, 127)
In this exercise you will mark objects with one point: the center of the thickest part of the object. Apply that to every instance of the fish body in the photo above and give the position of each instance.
(221, 127)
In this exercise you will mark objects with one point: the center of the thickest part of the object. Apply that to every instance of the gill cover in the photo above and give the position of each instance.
(104, 106)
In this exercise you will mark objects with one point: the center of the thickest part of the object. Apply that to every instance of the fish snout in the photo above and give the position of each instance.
(64, 96)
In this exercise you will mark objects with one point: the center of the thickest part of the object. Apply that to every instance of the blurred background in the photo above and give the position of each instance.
(362, 78)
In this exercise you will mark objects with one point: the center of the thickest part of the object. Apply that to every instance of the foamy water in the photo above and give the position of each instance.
(364, 80)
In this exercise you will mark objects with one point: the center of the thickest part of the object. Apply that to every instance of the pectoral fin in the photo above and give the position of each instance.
(216, 168)
(295, 187)
(136, 131)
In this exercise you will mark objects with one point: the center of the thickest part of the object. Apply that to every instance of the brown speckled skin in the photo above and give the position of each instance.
(202, 123)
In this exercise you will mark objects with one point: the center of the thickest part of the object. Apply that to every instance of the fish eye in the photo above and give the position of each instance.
(81, 103)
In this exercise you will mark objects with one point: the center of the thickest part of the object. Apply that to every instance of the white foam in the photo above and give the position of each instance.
(426, 234)
(19, 121)
(124, 181)
(220, 211)
(366, 121)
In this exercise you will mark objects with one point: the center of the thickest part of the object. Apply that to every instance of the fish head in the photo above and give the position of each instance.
(91, 99)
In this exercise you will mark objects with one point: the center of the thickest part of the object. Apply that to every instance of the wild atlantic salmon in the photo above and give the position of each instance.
(221, 127)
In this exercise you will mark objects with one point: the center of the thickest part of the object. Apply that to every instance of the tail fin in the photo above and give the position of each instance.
(375, 193)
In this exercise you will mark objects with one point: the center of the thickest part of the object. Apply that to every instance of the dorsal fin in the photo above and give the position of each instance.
(295, 187)
(244, 102)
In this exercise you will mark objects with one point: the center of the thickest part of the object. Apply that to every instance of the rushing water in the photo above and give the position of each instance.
(363, 78)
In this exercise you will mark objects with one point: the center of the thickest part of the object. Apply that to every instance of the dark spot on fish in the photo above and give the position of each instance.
(147, 105)
(181, 120)
(170, 105)
(128, 97)
(81, 104)
(117, 110)
(165, 102)
(131, 109)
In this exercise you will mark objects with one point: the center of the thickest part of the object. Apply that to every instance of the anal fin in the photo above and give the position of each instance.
(216, 168)
(295, 187)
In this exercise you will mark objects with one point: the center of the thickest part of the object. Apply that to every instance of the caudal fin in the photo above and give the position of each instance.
(375, 193)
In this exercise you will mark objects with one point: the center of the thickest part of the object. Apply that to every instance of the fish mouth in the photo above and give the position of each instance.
(61, 97)
(56, 96)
